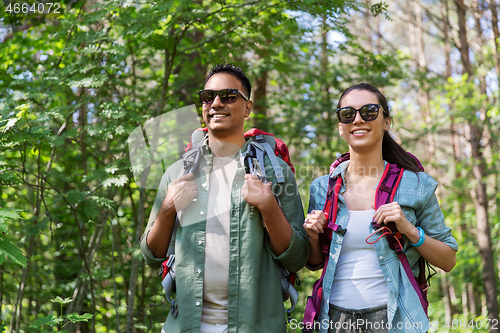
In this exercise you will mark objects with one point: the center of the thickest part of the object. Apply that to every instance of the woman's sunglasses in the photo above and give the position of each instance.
(367, 112)
(226, 95)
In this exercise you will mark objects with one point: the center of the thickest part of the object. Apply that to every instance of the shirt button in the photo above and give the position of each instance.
(200, 242)
(388, 280)
(202, 213)
(198, 303)
(235, 185)
(199, 271)
(381, 257)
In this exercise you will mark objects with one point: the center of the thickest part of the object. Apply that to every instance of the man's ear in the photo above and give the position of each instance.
(248, 109)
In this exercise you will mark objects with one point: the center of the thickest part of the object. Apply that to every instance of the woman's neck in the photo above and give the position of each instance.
(366, 164)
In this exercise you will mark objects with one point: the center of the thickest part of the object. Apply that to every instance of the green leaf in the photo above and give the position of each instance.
(8, 213)
(59, 300)
(75, 317)
(118, 181)
(9, 251)
(49, 320)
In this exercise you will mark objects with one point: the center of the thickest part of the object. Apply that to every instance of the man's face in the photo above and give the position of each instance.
(225, 119)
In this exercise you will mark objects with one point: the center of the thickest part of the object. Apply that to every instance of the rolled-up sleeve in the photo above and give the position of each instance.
(317, 193)
(430, 216)
(297, 253)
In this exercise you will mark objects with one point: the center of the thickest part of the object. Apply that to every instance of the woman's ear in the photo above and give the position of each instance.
(388, 123)
(341, 132)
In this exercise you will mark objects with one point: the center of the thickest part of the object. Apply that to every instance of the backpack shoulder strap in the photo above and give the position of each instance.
(330, 209)
(385, 194)
(388, 185)
(266, 141)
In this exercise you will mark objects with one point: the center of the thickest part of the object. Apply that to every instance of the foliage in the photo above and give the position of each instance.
(51, 320)
(7, 249)
(73, 87)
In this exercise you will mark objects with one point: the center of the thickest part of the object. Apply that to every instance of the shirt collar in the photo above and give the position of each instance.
(206, 147)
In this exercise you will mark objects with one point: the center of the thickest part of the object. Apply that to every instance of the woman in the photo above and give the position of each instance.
(366, 287)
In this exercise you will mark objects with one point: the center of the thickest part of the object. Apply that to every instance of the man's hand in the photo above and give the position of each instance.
(314, 224)
(180, 193)
(256, 193)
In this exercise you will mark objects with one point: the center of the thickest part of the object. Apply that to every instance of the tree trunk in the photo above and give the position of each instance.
(135, 262)
(82, 123)
(423, 90)
(479, 171)
(260, 120)
(368, 30)
(496, 36)
(465, 303)
(79, 293)
(113, 275)
(448, 306)
(472, 300)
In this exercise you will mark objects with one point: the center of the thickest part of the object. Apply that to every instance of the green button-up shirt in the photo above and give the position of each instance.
(255, 301)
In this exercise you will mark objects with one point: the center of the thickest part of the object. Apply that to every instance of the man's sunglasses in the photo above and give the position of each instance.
(226, 95)
(367, 112)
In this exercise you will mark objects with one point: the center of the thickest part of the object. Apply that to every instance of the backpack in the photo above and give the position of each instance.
(384, 194)
(262, 143)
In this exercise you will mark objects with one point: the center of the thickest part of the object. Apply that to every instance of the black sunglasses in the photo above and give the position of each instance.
(225, 95)
(367, 112)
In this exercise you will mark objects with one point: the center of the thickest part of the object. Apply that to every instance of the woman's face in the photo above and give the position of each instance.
(363, 135)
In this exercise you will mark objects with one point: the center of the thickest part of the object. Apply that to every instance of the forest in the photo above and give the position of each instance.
(76, 82)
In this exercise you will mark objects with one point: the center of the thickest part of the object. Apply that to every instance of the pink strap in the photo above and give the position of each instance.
(409, 273)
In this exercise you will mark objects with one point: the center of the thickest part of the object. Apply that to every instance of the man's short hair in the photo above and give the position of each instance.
(234, 71)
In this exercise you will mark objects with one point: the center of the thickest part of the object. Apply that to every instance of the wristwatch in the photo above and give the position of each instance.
(421, 240)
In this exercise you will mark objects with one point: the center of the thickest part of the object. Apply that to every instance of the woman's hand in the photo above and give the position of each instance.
(392, 212)
(314, 224)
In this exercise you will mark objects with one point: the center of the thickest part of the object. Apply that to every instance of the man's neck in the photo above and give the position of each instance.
(226, 145)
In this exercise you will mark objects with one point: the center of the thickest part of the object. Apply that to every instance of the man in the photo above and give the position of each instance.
(230, 238)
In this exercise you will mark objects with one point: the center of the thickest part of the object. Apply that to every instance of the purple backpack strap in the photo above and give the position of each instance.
(385, 194)
(313, 305)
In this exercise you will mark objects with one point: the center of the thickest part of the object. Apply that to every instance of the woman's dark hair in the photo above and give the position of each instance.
(392, 152)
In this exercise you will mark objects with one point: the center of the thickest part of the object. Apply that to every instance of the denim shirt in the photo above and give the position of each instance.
(255, 299)
(415, 195)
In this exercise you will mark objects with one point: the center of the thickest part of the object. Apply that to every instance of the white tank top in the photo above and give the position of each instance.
(359, 282)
